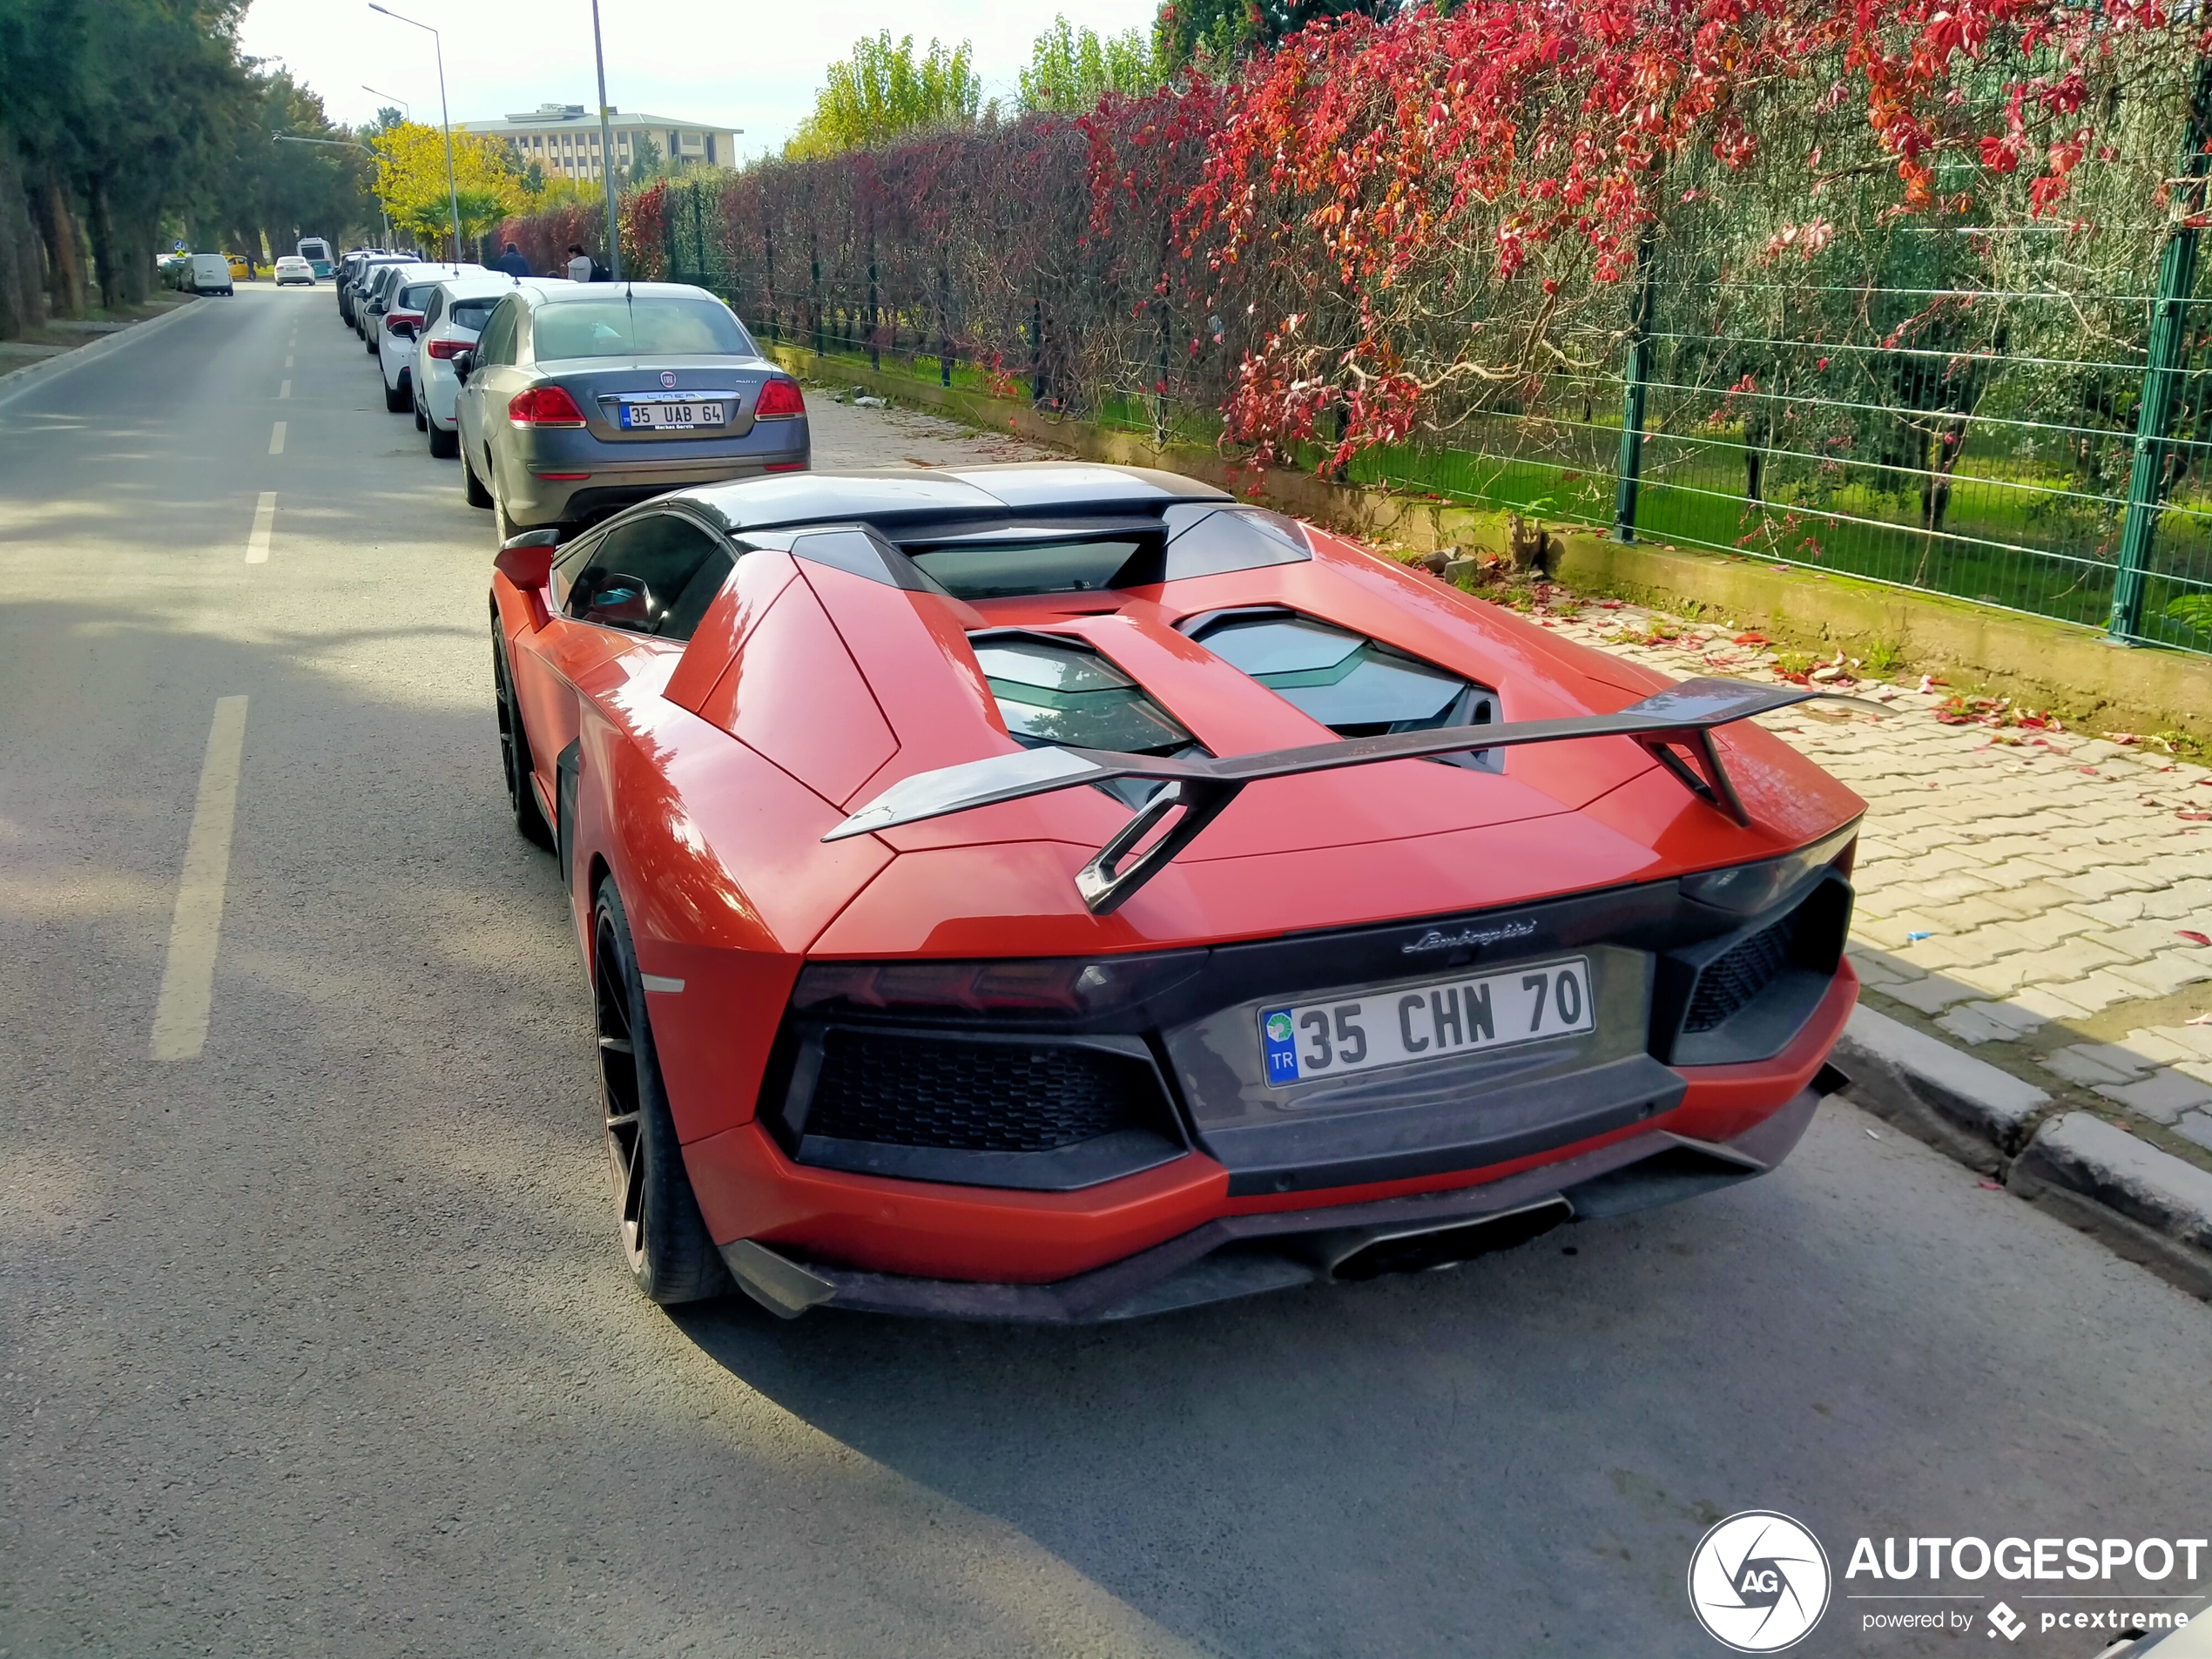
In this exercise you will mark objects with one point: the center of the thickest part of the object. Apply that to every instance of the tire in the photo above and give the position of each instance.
(502, 526)
(397, 400)
(515, 749)
(422, 421)
(369, 344)
(444, 445)
(472, 486)
(663, 1237)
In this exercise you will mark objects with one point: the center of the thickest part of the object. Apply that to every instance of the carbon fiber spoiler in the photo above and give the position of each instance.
(1676, 725)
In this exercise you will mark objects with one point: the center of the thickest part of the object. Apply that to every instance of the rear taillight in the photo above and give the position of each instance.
(778, 397)
(544, 406)
(448, 348)
(403, 323)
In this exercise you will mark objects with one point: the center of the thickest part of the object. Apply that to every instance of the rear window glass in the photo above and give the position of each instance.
(471, 314)
(416, 295)
(998, 569)
(640, 327)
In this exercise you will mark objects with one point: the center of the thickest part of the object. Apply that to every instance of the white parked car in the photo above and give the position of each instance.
(292, 268)
(394, 313)
(451, 321)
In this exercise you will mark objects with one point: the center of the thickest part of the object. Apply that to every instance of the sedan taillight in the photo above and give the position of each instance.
(778, 397)
(544, 406)
(403, 323)
(448, 347)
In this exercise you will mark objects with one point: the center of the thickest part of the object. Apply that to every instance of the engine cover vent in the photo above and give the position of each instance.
(1355, 686)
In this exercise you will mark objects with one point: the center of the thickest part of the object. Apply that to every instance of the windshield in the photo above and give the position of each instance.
(657, 326)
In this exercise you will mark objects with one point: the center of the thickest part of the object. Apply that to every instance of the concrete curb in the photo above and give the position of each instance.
(2143, 1203)
(21, 381)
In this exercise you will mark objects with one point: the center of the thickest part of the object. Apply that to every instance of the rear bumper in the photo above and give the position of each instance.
(1242, 1254)
(1176, 1234)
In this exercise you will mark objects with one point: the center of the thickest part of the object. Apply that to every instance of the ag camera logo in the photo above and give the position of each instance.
(1758, 1582)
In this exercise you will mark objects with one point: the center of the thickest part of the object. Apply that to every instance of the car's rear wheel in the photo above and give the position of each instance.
(663, 1237)
(515, 748)
(422, 421)
(396, 399)
(502, 526)
(444, 445)
(472, 486)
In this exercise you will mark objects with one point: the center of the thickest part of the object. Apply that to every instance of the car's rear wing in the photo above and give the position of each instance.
(1676, 725)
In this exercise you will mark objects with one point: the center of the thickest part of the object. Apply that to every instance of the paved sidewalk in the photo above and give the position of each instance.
(2046, 892)
(2042, 895)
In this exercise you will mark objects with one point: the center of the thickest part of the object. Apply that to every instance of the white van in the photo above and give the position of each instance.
(211, 273)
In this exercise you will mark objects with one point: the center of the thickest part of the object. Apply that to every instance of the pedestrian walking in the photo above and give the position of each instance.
(512, 262)
(579, 263)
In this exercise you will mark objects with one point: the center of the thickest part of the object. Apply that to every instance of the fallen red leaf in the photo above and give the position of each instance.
(2195, 817)
(2192, 935)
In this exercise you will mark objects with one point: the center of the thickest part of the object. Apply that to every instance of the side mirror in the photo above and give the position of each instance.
(464, 364)
(527, 559)
(621, 601)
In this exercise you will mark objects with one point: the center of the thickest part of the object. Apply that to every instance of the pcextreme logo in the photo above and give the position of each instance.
(1758, 1582)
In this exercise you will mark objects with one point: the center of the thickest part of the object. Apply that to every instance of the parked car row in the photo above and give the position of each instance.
(201, 273)
(565, 401)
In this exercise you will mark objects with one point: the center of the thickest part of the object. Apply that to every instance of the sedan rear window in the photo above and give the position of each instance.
(641, 327)
(471, 314)
(416, 295)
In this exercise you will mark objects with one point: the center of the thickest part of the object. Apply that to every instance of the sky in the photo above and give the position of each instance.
(706, 61)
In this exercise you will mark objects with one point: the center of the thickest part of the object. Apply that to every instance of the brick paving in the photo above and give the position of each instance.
(2021, 888)
(2025, 891)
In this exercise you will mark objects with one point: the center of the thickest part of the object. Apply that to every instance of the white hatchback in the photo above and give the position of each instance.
(396, 324)
(452, 318)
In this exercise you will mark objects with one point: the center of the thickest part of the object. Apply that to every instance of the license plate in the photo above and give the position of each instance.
(1522, 1004)
(659, 415)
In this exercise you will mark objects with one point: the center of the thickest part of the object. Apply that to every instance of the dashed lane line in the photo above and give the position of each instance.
(276, 440)
(285, 390)
(188, 978)
(257, 544)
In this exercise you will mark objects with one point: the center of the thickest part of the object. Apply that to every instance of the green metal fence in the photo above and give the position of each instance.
(2027, 446)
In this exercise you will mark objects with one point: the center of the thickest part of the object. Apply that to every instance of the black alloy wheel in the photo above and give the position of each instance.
(515, 748)
(663, 1237)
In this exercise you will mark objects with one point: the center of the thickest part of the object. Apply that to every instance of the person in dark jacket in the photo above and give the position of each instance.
(512, 262)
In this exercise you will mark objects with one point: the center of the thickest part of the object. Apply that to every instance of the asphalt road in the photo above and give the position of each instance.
(317, 1339)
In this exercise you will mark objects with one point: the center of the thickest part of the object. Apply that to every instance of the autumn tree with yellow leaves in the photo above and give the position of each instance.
(411, 181)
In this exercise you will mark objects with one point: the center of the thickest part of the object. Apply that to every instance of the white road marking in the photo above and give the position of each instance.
(257, 544)
(285, 390)
(287, 362)
(276, 440)
(659, 983)
(188, 980)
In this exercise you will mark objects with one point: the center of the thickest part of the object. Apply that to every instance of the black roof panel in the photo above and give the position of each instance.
(906, 493)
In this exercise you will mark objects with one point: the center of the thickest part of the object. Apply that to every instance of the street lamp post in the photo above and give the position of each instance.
(406, 109)
(445, 117)
(606, 152)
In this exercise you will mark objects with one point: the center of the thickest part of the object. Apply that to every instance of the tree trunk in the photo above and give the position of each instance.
(23, 300)
(64, 268)
(106, 258)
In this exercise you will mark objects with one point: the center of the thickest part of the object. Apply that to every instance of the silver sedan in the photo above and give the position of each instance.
(580, 400)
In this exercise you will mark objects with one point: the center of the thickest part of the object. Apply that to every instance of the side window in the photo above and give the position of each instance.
(655, 575)
(568, 563)
(434, 310)
(498, 332)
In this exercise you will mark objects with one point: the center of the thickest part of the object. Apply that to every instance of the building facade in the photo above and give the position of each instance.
(564, 139)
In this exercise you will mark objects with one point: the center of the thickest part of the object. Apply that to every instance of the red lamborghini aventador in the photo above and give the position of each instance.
(1060, 892)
